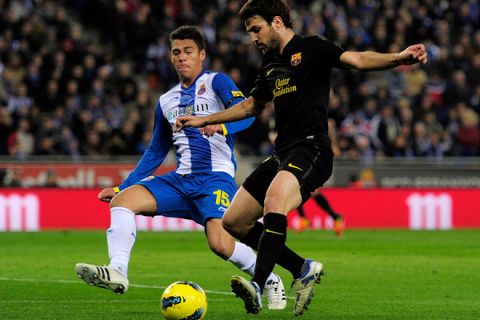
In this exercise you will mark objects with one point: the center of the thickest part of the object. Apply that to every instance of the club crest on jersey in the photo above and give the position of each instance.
(202, 89)
(296, 59)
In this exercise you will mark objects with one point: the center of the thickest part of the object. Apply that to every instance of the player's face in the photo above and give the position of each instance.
(262, 34)
(187, 59)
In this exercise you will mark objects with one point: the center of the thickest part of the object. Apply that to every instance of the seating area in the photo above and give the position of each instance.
(80, 78)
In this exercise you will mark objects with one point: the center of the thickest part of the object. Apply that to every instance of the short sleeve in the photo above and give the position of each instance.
(328, 51)
(227, 90)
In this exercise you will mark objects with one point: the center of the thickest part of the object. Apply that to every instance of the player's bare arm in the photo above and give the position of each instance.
(106, 194)
(245, 109)
(371, 61)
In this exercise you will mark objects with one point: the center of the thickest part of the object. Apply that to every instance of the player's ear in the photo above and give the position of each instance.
(277, 22)
(203, 54)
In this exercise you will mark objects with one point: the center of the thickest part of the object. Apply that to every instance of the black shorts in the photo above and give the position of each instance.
(308, 162)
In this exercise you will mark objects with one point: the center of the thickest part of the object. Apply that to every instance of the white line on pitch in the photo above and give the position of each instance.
(90, 301)
(78, 282)
(131, 285)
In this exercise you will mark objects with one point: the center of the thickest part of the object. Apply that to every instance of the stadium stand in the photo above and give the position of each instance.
(80, 77)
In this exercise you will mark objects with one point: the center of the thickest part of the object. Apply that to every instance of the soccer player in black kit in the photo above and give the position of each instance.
(295, 76)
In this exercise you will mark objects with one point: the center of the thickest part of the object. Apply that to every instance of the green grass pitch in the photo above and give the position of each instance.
(369, 275)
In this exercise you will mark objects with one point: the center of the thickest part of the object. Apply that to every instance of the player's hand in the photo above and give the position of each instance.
(189, 121)
(211, 129)
(106, 194)
(414, 54)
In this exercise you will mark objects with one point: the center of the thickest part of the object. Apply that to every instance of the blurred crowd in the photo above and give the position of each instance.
(71, 74)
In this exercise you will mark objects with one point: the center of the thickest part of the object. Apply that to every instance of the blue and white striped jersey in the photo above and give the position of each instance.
(211, 92)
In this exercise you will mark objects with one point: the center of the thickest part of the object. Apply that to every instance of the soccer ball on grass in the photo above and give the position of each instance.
(184, 300)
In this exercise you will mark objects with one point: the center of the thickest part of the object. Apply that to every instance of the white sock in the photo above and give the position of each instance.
(121, 237)
(244, 258)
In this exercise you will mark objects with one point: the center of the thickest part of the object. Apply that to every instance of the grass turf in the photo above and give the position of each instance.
(369, 275)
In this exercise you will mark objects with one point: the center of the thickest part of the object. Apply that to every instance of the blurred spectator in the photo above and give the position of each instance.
(13, 178)
(364, 179)
(21, 142)
(20, 103)
(6, 127)
(458, 90)
(468, 134)
(387, 129)
(420, 141)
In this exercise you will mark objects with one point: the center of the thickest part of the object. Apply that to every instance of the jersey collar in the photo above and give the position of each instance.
(290, 47)
(194, 81)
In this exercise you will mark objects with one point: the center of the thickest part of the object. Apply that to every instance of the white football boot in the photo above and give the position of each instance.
(275, 292)
(303, 286)
(249, 292)
(102, 277)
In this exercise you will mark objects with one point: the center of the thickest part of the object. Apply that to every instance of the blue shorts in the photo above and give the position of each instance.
(198, 197)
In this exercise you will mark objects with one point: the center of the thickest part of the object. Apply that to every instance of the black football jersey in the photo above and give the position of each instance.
(298, 81)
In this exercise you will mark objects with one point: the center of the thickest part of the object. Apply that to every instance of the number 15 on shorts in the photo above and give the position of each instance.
(222, 198)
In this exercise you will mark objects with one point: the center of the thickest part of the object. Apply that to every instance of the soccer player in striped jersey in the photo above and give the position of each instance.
(201, 187)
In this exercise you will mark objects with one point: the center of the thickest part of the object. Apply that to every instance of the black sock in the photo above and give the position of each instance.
(287, 259)
(253, 236)
(301, 212)
(291, 261)
(323, 203)
(270, 246)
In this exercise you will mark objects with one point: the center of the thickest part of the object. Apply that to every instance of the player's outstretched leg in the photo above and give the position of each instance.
(249, 292)
(303, 285)
(275, 292)
(102, 277)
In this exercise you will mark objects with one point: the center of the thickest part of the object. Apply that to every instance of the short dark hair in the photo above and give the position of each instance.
(188, 32)
(267, 9)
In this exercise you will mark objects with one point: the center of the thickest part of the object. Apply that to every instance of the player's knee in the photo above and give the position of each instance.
(119, 201)
(238, 228)
(228, 224)
(273, 204)
(116, 201)
(220, 249)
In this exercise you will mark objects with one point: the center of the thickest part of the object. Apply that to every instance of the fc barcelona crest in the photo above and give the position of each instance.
(296, 59)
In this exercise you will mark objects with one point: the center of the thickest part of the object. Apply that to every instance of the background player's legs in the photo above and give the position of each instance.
(303, 222)
(338, 225)
(301, 212)
(325, 205)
